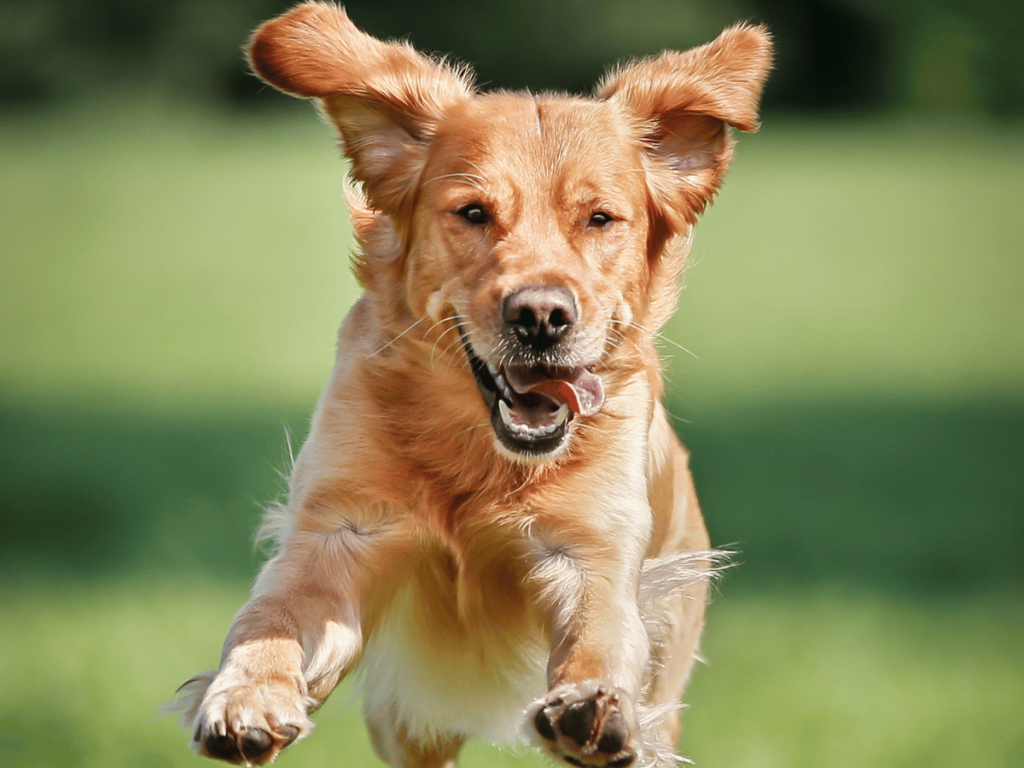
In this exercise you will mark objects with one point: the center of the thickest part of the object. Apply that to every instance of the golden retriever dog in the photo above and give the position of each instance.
(491, 516)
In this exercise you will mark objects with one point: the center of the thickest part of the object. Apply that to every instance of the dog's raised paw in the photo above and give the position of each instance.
(249, 725)
(588, 725)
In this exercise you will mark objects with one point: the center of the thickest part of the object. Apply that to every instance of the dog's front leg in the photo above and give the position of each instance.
(599, 652)
(286, 650)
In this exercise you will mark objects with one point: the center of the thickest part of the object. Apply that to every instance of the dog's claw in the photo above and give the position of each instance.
(289, 732)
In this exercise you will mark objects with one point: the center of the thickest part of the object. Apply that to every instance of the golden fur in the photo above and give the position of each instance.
(531, 567)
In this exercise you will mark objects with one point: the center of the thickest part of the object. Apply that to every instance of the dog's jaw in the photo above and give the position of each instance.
(533, 407)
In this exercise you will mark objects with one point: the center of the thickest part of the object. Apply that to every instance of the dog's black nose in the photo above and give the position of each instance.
(539, 316)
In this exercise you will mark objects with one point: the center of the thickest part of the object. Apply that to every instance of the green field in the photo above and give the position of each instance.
(170, 287)
(824, 678)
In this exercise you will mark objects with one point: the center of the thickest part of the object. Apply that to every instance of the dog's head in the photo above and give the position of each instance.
(537, 228)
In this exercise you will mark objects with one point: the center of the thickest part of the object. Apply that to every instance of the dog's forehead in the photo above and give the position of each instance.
(528, 138)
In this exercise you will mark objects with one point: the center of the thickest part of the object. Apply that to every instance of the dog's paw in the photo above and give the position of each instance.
(589, 724)
(249, 724)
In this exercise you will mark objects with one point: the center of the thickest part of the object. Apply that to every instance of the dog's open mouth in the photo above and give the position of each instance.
(532, 405)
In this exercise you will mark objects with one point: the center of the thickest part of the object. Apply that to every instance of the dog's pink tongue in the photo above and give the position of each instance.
(583, 393)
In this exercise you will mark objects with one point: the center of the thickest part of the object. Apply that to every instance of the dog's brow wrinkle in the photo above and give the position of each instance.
(470, 179)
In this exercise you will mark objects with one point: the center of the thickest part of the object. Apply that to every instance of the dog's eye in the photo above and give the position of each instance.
(599, 220)
(474, 214)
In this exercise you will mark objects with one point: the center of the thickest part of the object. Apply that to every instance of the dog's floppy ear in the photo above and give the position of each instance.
(384, 98)
(684, 102)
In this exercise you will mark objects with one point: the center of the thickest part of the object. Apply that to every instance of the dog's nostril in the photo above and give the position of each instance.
(539, 316)
(558, 318)
(526, 319)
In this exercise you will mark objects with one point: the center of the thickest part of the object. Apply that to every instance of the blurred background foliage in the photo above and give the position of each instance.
(847, 364)
(952, 56)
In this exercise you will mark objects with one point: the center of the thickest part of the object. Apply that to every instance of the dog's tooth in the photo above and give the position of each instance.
(506, 414)
(561, 415)
(493, 370)
(503, 388)
(512, 424)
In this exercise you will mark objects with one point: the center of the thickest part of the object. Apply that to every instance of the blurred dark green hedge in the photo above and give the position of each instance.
(951, 56)
(911, 496)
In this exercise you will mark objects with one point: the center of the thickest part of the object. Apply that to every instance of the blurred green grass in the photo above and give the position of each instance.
(166, 256)
(170, 287)
(859, 260)
(820, 678)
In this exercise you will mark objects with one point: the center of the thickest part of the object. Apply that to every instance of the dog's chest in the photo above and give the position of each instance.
(460, 646)
(447, 668)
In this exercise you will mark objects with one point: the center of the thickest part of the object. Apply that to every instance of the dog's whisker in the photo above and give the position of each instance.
(452, 359)
(663, 337)
(526, 481)
(396, 338)
(454, 319)
(454, 328)
(483, 175)
(455, 324)
(619, 338)
(475, 427)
